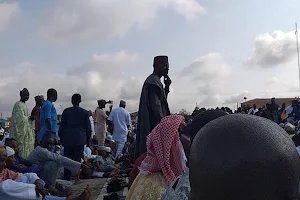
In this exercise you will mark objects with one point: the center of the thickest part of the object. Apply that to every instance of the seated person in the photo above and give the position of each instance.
(1, 136)
(42, 155)
(87, 152)
(93, 146)
(17, 186)
(298, 128)
(21, 165)
(296, 140)
(128, 152)
(164, 162)
(109, 142)
(290, 129)
(180, 188)
(104, 161)
(243, 157)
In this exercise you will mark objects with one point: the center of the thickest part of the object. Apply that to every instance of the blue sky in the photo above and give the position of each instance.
(219, 50)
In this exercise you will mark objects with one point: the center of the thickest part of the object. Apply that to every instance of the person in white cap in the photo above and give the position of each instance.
(120, 118)
(105, 161)
(17, 186)
(109, 142)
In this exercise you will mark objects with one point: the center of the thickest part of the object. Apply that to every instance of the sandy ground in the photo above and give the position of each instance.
(95, 184)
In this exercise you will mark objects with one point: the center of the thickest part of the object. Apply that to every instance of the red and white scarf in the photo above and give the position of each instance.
(164, 150)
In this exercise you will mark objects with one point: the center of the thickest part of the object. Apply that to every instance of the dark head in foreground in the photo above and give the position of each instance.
(161, 65)
(76, 99)
(243, 157)
(24, 94)
(52, 95)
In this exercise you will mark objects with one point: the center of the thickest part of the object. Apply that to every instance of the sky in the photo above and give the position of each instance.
(220, 51)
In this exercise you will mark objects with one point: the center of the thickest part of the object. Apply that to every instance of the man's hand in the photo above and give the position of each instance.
(22, 166)
(39, 184)
(39, 188)
(42, 192)
(167, 81)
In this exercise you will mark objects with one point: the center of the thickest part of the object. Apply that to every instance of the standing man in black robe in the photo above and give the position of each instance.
(153, 102)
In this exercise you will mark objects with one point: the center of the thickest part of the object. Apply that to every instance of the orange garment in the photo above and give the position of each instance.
(284, 115)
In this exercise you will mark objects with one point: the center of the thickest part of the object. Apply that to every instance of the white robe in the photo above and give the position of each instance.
(21, 188)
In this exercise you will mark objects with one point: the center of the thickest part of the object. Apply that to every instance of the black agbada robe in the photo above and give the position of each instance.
(153, 107)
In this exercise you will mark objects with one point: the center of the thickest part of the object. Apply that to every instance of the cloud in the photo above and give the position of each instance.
(8, 12)
(92, 83)
(206, 78)
(272, 49)
(90, 20)
(108, 64)
(282, 86)
(238, 97)
(272, 80)
(207, 68)
(131, 90)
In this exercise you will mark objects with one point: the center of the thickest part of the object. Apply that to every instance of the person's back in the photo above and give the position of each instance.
(74, 126)
(243, 157)
(121, 119)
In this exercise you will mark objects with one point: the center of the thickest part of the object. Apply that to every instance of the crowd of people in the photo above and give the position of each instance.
(248, 154)
(39, 146)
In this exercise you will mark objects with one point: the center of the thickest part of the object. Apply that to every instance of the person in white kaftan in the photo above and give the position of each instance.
(17, 186)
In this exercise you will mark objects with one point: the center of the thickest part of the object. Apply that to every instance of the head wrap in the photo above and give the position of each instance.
(109, 138)
(289, 127)
(108, 149)
(24, 92)
(10, 151)
(164, 150)
(160, 60)
(101, 148)
(39, 97)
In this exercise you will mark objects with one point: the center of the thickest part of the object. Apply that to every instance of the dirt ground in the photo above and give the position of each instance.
(95, 184)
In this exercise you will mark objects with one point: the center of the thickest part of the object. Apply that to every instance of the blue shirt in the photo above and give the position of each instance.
(121, 119)
(48, 111)
(30, 167)
(75, 127)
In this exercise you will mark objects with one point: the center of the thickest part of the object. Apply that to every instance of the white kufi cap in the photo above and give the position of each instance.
(10, 151)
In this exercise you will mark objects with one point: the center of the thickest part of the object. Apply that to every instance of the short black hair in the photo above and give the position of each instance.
(245, 157)
(9, 140)
(202, 119)
(76, 99)
(51, 92)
